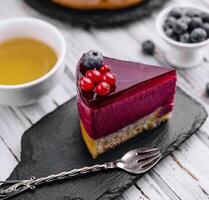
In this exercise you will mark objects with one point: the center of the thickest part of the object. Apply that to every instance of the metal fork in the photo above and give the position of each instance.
(135, 161)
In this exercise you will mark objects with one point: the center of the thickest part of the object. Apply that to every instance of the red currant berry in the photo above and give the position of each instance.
(104, 69)
(102, 88)
(110, 78)
(86, 84)
(94, 75)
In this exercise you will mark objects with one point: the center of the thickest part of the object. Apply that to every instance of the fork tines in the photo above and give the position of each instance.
(147, 153)
(148, 158)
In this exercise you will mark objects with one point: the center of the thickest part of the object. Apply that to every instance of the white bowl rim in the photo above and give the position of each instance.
(54, 68)
(160, 20)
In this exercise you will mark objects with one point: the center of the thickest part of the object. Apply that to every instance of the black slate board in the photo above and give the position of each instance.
(99, 18)
(54, 145)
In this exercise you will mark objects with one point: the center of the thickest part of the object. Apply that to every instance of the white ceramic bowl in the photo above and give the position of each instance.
(27, 93)
(182, 55)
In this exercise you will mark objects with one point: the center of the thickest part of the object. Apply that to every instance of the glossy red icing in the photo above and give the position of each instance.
(128, 75)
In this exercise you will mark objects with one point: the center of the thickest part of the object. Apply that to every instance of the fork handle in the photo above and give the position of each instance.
(70, 174)
(23, 185)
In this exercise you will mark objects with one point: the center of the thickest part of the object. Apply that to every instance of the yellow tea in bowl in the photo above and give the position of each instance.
(23, 60)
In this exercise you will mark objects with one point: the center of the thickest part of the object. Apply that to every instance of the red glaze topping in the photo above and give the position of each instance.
(129, 76)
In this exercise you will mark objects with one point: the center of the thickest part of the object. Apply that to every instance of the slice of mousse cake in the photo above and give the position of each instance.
(117, 100)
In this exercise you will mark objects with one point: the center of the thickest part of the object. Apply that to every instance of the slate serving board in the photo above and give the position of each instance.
(54, 145)
(100, 18)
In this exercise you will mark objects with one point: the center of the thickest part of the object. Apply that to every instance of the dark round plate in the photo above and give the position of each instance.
(98, 18)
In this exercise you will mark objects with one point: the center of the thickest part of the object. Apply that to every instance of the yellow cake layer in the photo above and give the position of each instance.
(101, 145)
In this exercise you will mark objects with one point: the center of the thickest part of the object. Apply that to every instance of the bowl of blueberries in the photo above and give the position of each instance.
(186, 29)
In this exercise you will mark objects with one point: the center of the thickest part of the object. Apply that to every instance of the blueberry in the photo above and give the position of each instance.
(169, 23)
(92, 59)
(148, 47)
(206, 28)
(176, 13)
(180, 27)
(198, 35)
(196, 22)
(166, 26)
(192, 13)
(205, 17)
(185, 19)
(185, 38)
(207, 89)
(171, 34)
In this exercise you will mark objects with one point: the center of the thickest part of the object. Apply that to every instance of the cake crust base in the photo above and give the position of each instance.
(101, 145)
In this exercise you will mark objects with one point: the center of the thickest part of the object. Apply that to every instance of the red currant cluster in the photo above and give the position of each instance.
(99, 81)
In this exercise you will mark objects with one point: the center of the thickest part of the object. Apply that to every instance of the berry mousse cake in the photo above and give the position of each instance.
(117, 100)
(98, 4)
(187, 25)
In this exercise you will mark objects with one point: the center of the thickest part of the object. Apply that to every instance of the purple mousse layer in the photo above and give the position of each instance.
(129, 74)
(130, 106)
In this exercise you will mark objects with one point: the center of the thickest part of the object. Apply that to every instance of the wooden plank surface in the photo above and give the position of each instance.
(184, 174)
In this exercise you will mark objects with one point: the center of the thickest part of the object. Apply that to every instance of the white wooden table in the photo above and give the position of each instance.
(182, 175)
